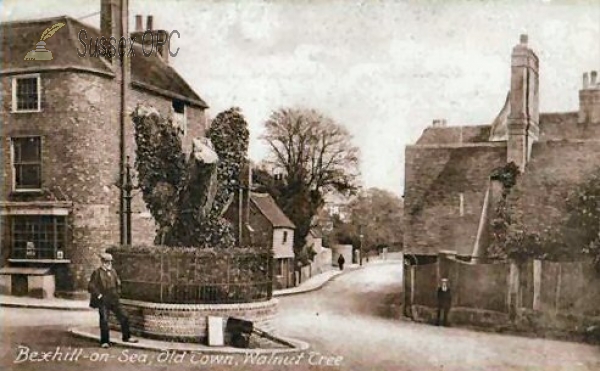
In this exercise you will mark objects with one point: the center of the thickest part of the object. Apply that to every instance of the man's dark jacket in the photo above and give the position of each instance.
(106, 283)
(444, 298)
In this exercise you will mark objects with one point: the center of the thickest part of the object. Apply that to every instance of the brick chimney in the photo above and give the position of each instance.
(151, 39)
(589, 99)
(523, 119)
(110, 19)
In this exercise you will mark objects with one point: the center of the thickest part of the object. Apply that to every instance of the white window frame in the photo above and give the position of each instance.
(12, 164)
(14, 92)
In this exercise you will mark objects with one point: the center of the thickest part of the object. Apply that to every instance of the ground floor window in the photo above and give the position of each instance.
(37, 236)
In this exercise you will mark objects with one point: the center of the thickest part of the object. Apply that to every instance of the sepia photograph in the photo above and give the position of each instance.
(402, 185)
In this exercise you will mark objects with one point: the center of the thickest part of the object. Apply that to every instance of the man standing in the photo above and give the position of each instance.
(444, 301)
(104, 287)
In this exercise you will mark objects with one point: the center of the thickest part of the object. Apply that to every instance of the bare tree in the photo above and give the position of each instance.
(316, 154)
(312, 149)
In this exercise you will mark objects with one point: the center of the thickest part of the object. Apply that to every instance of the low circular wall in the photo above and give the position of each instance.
(188, 322)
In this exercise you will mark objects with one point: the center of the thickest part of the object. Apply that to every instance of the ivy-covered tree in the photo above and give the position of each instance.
(187, 195)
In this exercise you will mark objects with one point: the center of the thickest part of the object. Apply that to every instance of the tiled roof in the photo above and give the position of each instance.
(455, 134)
(150, 73)
(565, 126)
(435, 178)
(554, 171)
(268, 207)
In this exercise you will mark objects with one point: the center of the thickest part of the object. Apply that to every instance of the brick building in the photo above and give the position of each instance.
(448, 191)
(62, 147)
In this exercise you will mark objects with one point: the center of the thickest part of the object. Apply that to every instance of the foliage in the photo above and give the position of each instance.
(507, 175)
(576, 235)
(230, 137)
(378, 213)
(582, 224)
(187, 196)
(315, 155)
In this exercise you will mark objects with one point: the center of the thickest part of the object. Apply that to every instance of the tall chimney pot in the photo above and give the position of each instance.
(586, 81)
(594, 76)
(149, 22)
(524, 39)
(138, 23)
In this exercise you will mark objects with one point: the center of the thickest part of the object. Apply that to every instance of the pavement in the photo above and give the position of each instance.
(91, 332)
(314, 283)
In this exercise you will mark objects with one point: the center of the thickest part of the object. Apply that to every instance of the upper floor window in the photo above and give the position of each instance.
(179, 117)
(285, 236)
(27, 163)
(26, 93)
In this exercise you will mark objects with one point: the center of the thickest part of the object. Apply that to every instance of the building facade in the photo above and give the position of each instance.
(62, 147)
(448, 190)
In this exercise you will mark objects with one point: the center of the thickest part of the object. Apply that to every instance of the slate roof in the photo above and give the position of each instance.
(268, 207)
(555, 170)
(435, 178)
(150, 73)
(453, 134)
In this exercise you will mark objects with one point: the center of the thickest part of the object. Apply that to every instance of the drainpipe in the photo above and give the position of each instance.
(123, 124)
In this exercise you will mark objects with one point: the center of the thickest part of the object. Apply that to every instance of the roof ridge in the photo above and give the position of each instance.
(34, 20)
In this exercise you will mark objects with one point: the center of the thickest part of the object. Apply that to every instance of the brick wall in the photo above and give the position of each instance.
(189, 322)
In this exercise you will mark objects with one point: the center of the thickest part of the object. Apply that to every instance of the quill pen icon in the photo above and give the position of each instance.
(40, 53)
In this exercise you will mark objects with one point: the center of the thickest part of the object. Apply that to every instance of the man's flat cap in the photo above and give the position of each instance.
(106, 257)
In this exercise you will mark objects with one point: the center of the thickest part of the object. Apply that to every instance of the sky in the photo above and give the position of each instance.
(383, 69)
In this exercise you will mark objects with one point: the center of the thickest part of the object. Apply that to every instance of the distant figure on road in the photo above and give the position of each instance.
(104, 287)
(444, 301)
(341, 262)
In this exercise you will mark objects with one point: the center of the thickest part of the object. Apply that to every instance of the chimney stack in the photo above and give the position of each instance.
(138, 23)
(110, 20)
(523, 118)
(149, 25)
(524, 39)
(589, 99)
(158, 42)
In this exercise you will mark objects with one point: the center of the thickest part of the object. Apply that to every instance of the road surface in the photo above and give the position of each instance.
(353, 323)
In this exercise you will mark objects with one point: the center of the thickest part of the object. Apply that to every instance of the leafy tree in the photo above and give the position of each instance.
(316, 155)
(379, 214)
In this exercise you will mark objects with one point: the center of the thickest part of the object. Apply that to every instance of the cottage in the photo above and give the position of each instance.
(63, 145)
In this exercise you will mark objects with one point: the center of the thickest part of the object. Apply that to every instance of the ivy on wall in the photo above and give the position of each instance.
(575, 236)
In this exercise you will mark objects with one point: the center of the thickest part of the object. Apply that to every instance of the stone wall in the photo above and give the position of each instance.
(79, 126)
